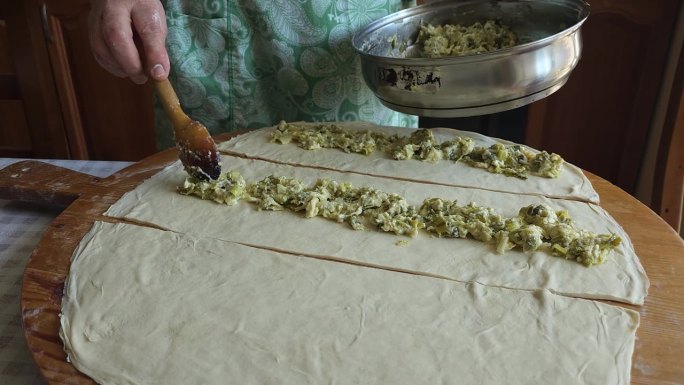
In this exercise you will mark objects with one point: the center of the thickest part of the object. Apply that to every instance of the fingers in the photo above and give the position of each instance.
(97, 44)
(113, 24)
(118, 36)
(150, 24)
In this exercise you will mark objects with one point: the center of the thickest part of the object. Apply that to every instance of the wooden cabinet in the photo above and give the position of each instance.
(32, 125)
(73, 108)
(14, 138)
(601, 118)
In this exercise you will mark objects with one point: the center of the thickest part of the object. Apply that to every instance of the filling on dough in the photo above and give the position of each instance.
(227, 189)
(457, 40)
(536, 227)
(514, 160)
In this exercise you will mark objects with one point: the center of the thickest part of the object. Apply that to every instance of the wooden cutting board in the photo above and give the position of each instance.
(659, 351)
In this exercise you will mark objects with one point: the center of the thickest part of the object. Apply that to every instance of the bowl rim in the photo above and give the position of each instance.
(584, 10)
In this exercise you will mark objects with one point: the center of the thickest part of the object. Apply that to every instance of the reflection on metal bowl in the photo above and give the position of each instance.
(549, 49)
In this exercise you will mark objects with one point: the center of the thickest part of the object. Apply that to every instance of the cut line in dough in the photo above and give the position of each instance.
(571, 184)
(144, 306)
(620, 278)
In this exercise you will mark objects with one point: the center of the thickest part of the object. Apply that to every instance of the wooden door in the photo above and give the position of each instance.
(32, 124)
(668, 181)
(103, 117)
(601, 118)
(14, 137)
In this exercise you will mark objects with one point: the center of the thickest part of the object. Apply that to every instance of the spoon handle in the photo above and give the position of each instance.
(172, 106)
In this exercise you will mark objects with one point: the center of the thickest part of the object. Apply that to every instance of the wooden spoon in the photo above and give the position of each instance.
(196, 149)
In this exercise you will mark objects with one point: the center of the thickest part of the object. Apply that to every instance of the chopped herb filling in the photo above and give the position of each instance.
(227, 189)
(457, 40)
(535, 228)
(513, 160)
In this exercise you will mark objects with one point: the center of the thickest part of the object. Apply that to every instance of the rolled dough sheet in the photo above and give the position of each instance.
(571, 184)
(144, 306)
(620, 278)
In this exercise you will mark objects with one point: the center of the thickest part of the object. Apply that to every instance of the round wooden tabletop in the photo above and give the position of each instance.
(660, 338)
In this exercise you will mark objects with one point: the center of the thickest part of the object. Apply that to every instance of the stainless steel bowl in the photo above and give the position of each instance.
(549, 49)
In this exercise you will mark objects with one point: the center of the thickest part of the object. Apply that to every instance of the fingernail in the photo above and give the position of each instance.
(119, 74)
(158, 71)
(139, 79)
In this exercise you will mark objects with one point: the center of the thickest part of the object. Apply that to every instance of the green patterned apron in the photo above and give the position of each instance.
(251, 63)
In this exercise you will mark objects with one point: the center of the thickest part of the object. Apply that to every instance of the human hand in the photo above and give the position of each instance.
(112, 27)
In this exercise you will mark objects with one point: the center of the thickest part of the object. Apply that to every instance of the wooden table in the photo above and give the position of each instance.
(659, 351)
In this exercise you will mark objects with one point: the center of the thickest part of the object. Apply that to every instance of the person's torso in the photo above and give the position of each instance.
(251, 63)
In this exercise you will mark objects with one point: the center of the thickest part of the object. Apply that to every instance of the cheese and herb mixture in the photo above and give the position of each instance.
(342, 202)
(458, 40)
(227, 189)
(536, 227)
(513, 160)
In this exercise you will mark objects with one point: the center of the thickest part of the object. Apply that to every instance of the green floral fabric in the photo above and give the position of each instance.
(251, 63)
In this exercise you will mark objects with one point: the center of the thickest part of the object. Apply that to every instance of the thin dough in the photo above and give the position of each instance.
(144, 306)
(571, 184)
(620, 278)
